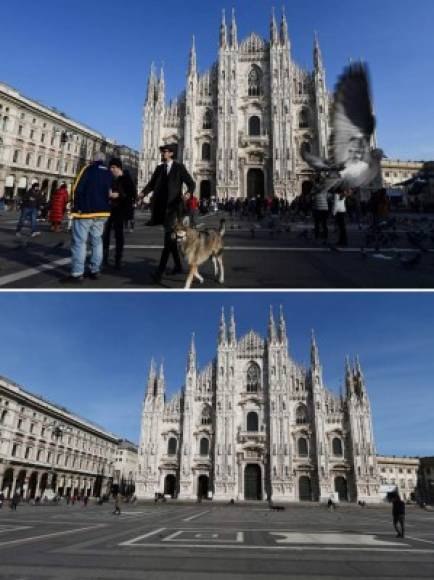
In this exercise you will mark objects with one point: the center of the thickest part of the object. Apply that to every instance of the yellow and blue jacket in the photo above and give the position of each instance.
(90, 194)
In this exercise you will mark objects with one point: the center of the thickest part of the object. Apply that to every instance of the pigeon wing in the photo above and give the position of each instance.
(314, 161)
(353, 117)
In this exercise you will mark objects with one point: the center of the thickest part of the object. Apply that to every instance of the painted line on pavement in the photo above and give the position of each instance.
(148, 535)
(191, 518)
(11, 278)
(419, 540)
(45, 536)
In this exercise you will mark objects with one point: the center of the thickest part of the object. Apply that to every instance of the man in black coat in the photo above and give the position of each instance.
(168, 203)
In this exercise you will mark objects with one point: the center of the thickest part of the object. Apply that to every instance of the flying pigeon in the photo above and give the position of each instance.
(353, 163)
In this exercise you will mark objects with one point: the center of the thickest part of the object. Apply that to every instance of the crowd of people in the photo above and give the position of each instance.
(104, 199)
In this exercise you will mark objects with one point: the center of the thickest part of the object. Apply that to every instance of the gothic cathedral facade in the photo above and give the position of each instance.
(240, 125)
(256, 425)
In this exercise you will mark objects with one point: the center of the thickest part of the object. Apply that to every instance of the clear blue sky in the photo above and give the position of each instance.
(91, 352)
(91, 59)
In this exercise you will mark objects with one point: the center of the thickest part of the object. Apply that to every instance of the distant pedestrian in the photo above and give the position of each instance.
(59, 201)
(2, 498)
(320, 209)
(340, 212)
(90, 211)
(117, 510)
(192, 205)
(30, 202)
(398, 512)
(122, 200)
(14, 502)
(85, 500)
(331, 505)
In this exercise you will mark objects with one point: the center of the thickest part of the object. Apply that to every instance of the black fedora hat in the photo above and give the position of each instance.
(172, 147)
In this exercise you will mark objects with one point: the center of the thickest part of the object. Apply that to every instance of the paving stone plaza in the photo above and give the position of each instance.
(189, 541)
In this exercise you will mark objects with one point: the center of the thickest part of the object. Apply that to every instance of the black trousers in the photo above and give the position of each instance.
(170, 248)
(116, 223)
(342, 227)
(321, 228)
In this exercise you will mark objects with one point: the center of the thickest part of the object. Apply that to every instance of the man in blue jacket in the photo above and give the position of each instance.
(90, 211)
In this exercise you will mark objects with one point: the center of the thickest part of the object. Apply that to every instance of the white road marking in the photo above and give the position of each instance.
(330, 539)
(148, 535)
(419, 540)
(357, 549)
(191, 518)
(234, 537)
(12, 528)
(45, 536)
(16, 276)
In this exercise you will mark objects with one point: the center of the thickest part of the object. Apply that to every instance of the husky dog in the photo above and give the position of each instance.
(198, 247)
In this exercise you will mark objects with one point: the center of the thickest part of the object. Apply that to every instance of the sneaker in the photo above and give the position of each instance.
(157, 276)
(94, 275)
(18, 234)
(36, 234)
(73, 280)
(177, 271)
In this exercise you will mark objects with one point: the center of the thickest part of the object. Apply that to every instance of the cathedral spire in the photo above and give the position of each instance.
(152, 83)
(162, 86)
(222, 330)
(232, 329)
(274, 37)
(223, 31)
(271, 326)
(348, 378)
(161, 381)
(234, 31)
(317, 55)
(192, 355)
(282, 326)
(314, 352)
(284, 28)
(151, 378)
(192, 68)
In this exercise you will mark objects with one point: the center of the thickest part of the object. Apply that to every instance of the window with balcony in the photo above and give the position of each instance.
(252, 422)
(254, 126)
(204, 447)
(303, 121)
(172, 446)
(337, 447)
(207, 119)
(301, 415)
(206, 152)
(303, 448)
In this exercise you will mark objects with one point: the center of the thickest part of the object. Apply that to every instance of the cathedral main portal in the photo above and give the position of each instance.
(253, 483)
(255, 183)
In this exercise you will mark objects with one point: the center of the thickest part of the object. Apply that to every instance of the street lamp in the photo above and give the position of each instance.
(58, 429)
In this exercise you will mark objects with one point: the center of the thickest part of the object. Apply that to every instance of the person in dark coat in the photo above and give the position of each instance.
(168, 203)
(398, 513)
(30, 203)
(123, 197)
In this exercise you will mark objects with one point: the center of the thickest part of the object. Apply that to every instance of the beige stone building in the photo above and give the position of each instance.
(45, 449)
(39, 143)
(401, 473)
(395, 171)
(125, 466)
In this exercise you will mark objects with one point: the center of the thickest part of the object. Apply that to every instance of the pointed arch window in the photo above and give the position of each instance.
(255, 82)
(253, 378)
